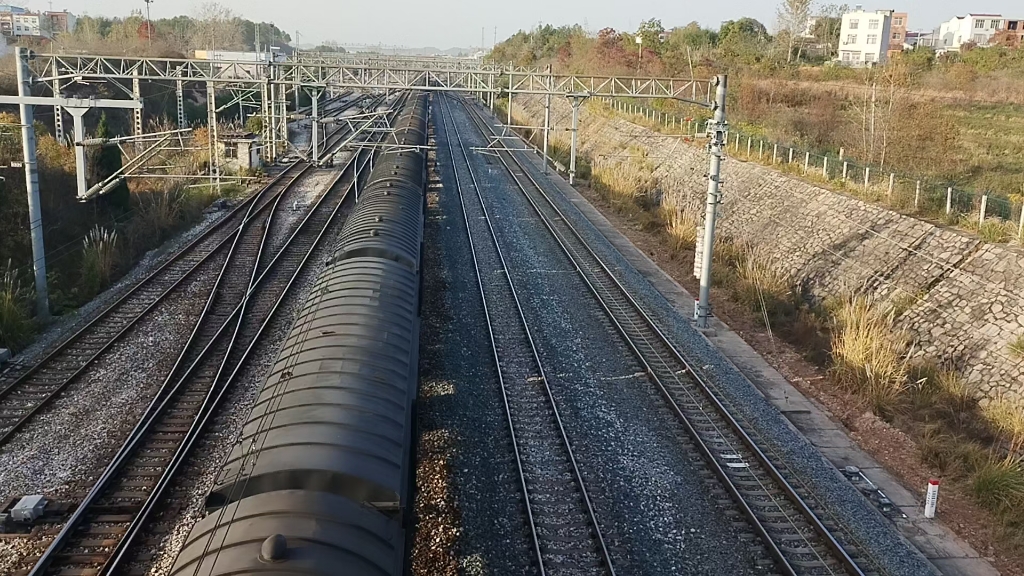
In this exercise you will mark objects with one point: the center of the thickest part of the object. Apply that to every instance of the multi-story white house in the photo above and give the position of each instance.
(976, 28)
(864, 37)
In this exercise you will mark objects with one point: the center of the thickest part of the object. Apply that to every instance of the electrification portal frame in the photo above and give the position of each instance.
(488, 81)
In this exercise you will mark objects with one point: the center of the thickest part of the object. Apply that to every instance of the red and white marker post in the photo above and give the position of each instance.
(931, 498)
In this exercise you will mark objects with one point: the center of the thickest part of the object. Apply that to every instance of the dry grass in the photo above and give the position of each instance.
(870, 355)
(630, 180)
(16, 327)
(761, 283)
(998, 484)
(1016, 347)
(680, 226)
(1007, 418)
(992, 230)
(99, 257)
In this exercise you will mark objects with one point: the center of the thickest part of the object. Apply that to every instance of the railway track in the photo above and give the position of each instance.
(566, 536)
(777, 507)
(25, 393)
(99, 536)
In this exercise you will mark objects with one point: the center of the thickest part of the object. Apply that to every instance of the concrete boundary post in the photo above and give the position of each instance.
(892, 182)
(949, 200)
(984, 209)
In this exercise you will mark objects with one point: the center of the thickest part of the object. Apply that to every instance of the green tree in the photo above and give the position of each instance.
(107, 163)
(742, 29)
(651, 31)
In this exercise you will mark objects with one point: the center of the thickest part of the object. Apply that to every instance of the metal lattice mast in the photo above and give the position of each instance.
(211, 129)
(179, 94)
(58, 114)
(137, 112)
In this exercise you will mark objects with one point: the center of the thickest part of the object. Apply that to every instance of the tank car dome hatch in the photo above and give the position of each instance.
(321, 534)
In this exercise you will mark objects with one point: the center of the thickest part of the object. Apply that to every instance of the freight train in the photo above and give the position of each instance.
(320, 480)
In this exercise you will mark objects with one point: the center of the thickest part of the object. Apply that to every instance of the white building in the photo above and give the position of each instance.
(864, 37)
(976, 28)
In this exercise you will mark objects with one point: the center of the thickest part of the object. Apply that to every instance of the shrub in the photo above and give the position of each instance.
(16, 327)
(870, 354)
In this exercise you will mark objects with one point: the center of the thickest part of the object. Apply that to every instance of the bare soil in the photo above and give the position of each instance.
(893, 448)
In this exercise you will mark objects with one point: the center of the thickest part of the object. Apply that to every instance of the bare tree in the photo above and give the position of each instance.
(793, 16)
(216, 28)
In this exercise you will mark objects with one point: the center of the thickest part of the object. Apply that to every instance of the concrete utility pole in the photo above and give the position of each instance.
(716, 130)
(35, 212)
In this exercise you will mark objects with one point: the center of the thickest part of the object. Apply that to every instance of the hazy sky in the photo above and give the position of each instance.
(447, 23)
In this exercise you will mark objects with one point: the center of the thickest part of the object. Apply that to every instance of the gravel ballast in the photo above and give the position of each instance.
(874, 533)
(649, 492)
(464, 449)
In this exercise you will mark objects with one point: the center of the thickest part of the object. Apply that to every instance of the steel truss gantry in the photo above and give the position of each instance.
(382, 75)
(329, 72)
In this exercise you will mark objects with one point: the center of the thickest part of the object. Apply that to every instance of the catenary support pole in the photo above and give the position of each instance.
(78, 131)
(547, 119)
(179, 94)
(58, 114)
(315, 95)
(511, 80)
(718, 127)
(211, 127)
(136, 112)
(575, 102)
(35, 212)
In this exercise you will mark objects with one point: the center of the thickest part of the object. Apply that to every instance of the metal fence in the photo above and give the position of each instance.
(995, 218)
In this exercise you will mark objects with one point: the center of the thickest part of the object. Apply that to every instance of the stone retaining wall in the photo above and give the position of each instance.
(962, 299)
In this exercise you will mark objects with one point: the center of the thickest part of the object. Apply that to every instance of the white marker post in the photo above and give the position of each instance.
(931, 498)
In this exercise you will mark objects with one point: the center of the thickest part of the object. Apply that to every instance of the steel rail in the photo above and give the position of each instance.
(237, 478)
(120, 554)
(587, 504)
(111, 311)
(149, 420)
(598, 266)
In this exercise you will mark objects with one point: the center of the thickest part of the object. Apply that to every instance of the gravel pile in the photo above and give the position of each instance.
(874, 533)
(649, 494)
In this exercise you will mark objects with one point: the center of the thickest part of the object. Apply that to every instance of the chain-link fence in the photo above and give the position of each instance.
(995, 218)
